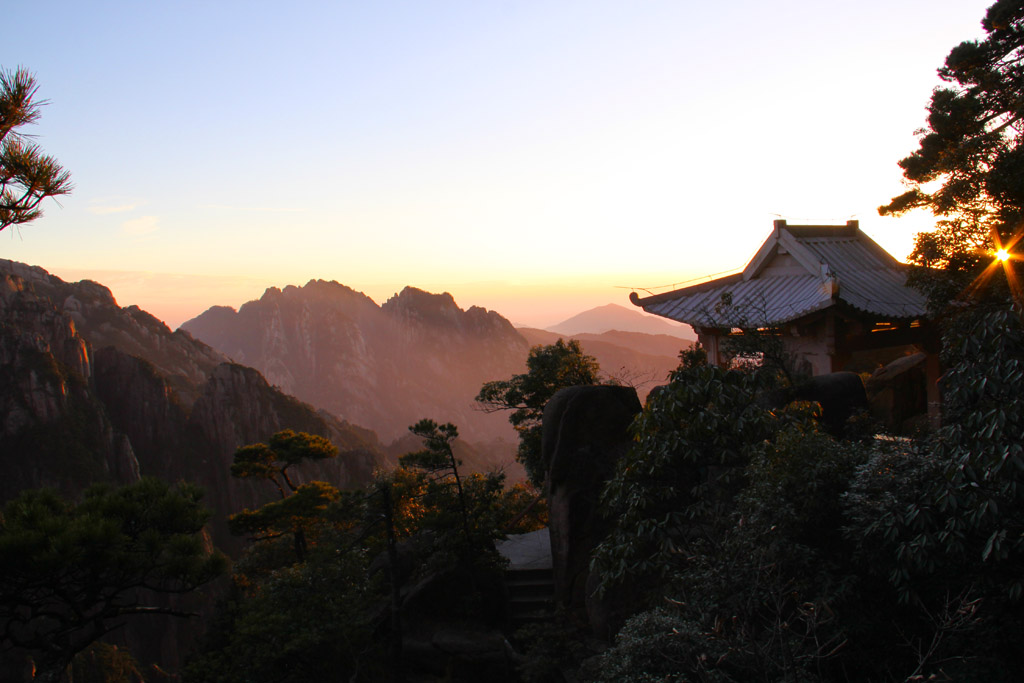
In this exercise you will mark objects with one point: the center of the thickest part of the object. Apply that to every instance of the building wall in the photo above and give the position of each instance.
(812, 351)
(781, 265)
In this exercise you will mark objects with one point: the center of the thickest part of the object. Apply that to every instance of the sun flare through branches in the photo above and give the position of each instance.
(1003, 256)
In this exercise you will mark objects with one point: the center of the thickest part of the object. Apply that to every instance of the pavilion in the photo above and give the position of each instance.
(838, 300)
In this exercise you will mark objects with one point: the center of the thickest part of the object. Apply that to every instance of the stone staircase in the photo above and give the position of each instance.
(531, 594)
(528, 578)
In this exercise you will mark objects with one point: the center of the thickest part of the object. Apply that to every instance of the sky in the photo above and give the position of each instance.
(535, 158)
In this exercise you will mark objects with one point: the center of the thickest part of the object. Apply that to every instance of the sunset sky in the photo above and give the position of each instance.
(530, 157)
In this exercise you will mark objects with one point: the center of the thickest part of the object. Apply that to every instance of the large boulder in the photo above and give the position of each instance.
(840, 394)
(585, 432)
(898, 393)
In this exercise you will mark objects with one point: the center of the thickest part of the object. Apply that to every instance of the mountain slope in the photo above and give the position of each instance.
(385, 367)
(615, 317)
(93, 392)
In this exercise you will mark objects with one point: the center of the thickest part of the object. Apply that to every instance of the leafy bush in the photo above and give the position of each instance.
(658, 646)
(692, 442)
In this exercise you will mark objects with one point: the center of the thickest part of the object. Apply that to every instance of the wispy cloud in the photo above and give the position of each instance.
(140, 226)
(265, 209)
(102, 207)
(103, 210)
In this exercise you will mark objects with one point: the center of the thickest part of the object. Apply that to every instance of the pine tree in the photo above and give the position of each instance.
(27, 176)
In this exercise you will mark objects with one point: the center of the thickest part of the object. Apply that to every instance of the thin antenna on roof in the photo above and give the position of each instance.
(675, 285)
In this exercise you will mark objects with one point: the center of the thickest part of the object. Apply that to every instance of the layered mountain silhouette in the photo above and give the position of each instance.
(615, 317)
(91, 391)
(384, 367)
(417, 355)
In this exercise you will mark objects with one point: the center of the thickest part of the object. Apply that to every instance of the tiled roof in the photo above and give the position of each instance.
(834, 263)
(757, 302)
(866, 281)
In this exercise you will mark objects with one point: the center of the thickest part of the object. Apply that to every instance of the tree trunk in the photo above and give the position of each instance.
(395, 646)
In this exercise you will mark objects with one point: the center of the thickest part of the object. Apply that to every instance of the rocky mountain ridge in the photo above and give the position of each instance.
(92, 392)
(385, 367)
(416, 355)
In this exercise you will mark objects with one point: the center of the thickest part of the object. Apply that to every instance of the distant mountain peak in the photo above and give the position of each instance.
(610, 317)
(441, 311)
(416, 355)
(271, 293)
(327, 288)
(315, 293)
(413, 297)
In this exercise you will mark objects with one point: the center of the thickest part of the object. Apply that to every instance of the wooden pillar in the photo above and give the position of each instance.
(708, 338)
(830, 341)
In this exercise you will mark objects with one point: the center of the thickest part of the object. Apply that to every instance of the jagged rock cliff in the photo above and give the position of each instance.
(98, 319)
(385, 367)
(53, 431)
(93, 392)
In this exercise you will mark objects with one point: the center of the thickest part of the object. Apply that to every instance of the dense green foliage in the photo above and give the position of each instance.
(335, 611)
(304, 621)
(729, 511)
(70, 573)
(549, 368)
(769, 550)
(964, 523)
(27, 176)
(964, 493)
(692, 443)
(299, 604)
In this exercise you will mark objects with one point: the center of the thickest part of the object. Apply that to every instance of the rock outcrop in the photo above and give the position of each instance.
(585, 432)
(840, 395)
(98, 319)
(898, 394)
(53, 430)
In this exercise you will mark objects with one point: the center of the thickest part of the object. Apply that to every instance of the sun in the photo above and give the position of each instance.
(1002, 259)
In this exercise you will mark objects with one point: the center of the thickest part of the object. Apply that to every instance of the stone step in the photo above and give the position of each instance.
(531, 595)
(520, 599)
(532, 588)
(529, 580)
(527, 575)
